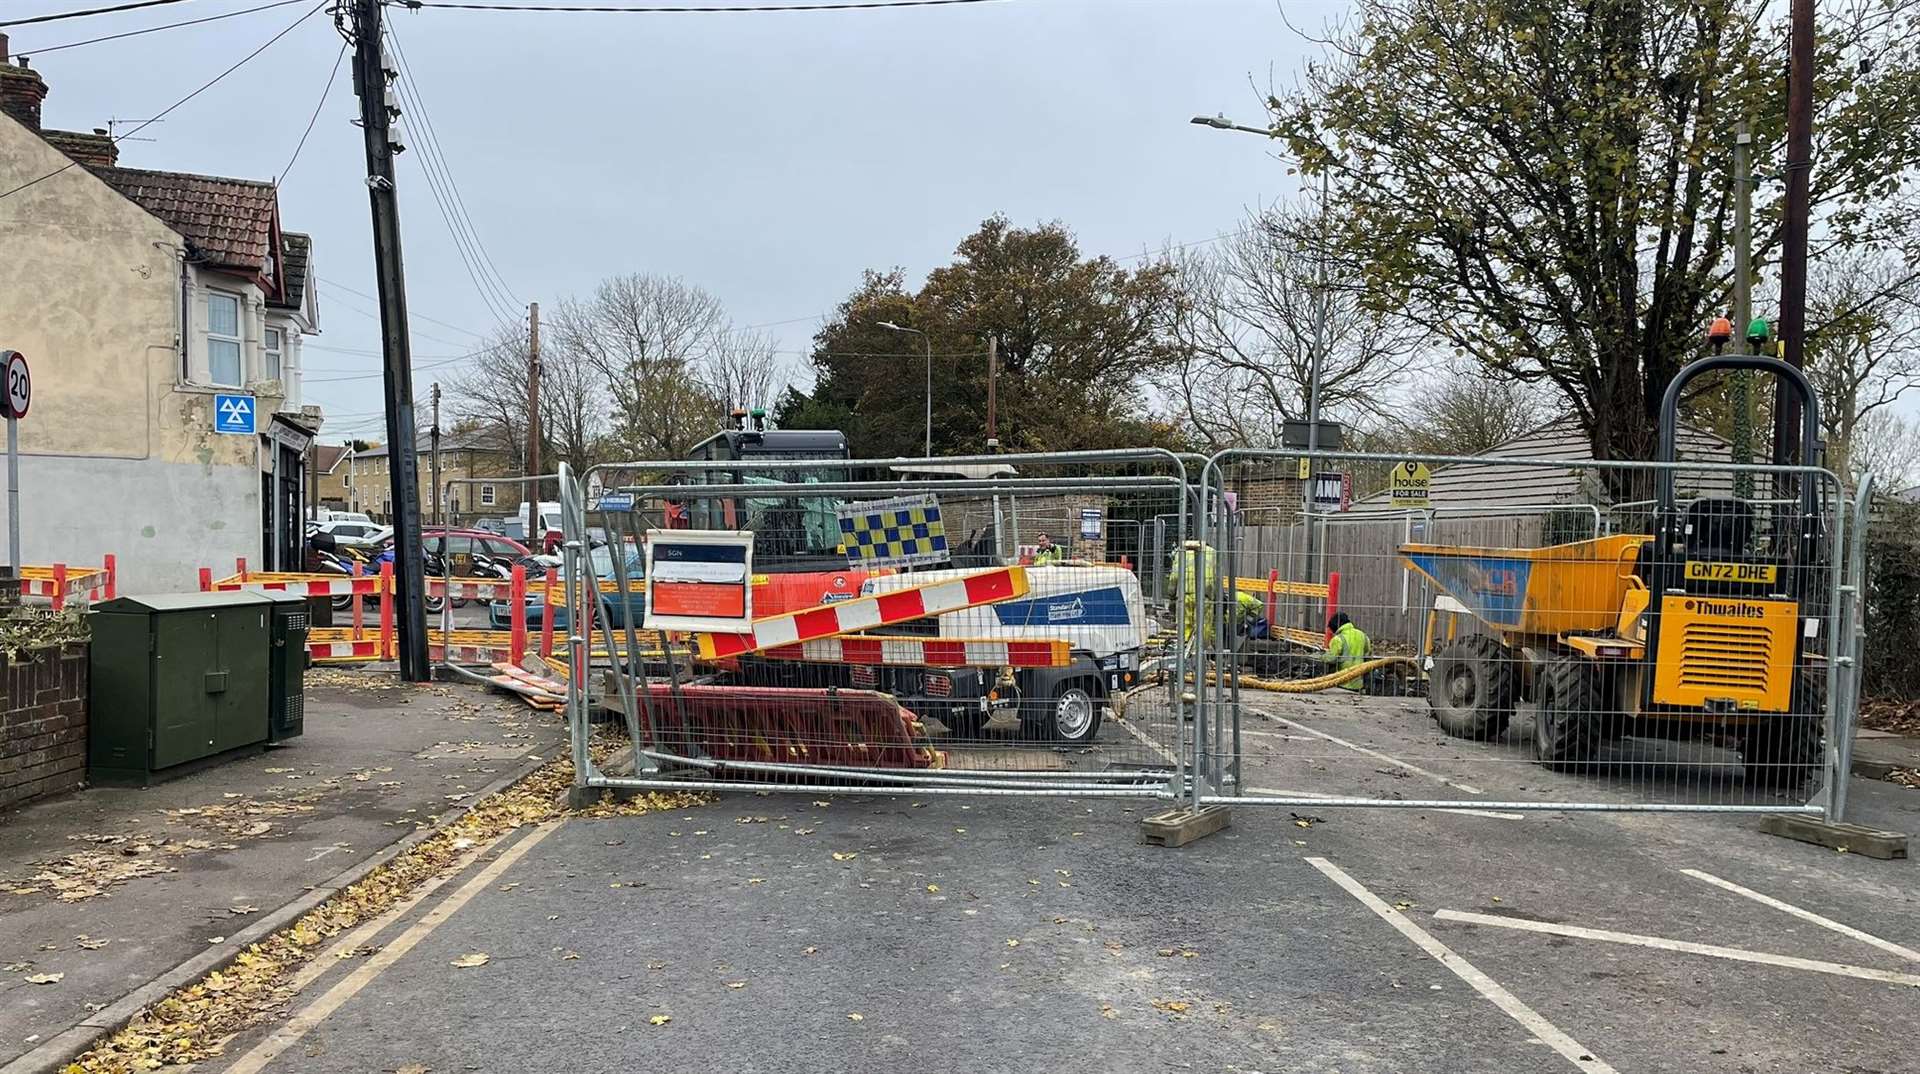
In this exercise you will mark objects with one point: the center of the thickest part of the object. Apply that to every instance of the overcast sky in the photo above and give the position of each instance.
(768, 158)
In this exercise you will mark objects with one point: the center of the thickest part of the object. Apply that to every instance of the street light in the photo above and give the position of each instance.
(1319, 332)
(891, 327)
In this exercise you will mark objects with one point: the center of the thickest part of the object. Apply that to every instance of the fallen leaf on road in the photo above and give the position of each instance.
(45, 978)
(845, 855)
(756, 880)
(412, 1068)
(1013, 943)
(660, 1019)
(1172, 1006)
(91, 945)
(569, 956)
(1404, 905)
(856, 1016)
(1107, 1011)
(277, 771)
(736, 984)
(216, 939)
(260, 828)
(22, 891)
(242, 911)
(467, 962)
(810, 950)
(933, 889)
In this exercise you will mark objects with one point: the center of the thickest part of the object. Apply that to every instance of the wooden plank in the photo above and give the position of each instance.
(1846, 838)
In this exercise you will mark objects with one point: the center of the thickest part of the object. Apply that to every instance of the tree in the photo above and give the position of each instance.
(1546, 184)
(1885, 445)
(671, 363)
(1465, 411)
(489, 401)
(1077, 337)
(1247, 326)
(1864, 352)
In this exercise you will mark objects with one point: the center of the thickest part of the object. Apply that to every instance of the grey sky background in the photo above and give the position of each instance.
(768, 158)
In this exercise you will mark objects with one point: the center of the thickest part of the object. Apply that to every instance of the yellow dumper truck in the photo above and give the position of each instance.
(1710, 626)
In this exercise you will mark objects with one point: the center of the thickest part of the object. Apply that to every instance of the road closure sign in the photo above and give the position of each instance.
(700, 580)
(1411, 485)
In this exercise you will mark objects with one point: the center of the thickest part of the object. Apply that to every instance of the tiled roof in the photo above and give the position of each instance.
(295, 252)
(227, 222)
(328, 456)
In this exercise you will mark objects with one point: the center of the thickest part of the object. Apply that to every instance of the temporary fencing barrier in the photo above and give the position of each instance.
(1706, 667)
(966, 673)
(60, 583)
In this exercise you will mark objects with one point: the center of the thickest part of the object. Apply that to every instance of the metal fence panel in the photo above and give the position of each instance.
(1538, 657)
(1071, 681)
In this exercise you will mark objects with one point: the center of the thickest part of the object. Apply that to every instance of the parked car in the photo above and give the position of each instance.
(347, 533)
(327, 514)
(620, 607)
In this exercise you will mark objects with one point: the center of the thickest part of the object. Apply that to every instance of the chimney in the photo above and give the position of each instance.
(96, 150)
(21, 89)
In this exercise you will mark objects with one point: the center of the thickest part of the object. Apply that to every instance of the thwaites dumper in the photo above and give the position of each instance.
(1703, 628)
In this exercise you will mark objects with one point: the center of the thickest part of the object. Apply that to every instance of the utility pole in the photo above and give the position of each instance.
(371, 75)
(1793, 244)
(993, 393)
(437, 497)
(1313, 376)
(1743, 301)
(533, 414)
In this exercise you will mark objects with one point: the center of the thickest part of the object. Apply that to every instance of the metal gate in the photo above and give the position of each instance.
(913, 630)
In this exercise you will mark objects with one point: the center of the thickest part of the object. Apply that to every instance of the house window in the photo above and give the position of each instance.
(223, 339)
(271, 349)
(486, 496)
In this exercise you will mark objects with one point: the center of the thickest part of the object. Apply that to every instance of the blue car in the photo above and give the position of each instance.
(620, 608)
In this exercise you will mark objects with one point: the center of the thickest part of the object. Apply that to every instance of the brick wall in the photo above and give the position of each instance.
(43, 724)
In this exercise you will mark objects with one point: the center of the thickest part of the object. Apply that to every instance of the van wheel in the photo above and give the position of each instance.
(1070, 716)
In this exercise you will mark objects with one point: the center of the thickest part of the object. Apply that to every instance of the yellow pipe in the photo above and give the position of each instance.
(1323, 682)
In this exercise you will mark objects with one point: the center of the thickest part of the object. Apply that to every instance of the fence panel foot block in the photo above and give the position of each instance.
(1848, 838)
(1178, 827)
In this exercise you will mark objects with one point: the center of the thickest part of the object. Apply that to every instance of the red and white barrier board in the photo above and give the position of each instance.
(868, 612)
(880, 651)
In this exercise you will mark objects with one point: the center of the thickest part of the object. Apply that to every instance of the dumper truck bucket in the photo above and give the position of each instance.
(1559, 589)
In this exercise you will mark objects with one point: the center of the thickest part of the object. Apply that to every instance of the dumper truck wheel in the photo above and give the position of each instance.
(1571, 718)
(1475, 681)
(1785, 750)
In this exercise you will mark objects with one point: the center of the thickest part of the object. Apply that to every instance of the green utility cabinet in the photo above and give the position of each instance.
(287, 670)
(176, 678)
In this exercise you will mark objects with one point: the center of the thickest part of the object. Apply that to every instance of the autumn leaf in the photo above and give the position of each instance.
(845, 855)
(45, 978)
(90, 944)
(660, 1019)
(467, 962)
(1172, 1006)
(1013, 943)
(933, 889)
(856, 1016)
(569, 956)
(736, 984)
(1107, 1011)
(412, 1068)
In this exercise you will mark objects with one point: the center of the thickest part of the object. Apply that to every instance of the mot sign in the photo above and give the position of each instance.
(1411, 485)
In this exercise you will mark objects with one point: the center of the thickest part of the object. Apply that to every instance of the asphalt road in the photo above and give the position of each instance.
(879, 933)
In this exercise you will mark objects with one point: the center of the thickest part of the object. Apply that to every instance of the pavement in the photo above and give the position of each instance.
(876, 932)
(195, 867)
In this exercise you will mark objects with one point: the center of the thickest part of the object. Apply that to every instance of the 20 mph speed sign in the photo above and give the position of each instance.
(19, 384)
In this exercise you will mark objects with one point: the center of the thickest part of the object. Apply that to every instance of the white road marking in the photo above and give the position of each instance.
(1806, 915)
(320, 1009)
(1165, 754)
(1278, 792)
(324, 851)
(1544, 1031)
(1375, 754)
(1838, 969)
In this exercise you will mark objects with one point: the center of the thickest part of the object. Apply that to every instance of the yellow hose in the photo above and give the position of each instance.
(1323, 682)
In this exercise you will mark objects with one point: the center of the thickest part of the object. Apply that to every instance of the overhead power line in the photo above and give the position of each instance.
(315, 118)
(157, 29)
(209, 84)
(59, 16)
(446, 190)
(410, 313)
(702, 9)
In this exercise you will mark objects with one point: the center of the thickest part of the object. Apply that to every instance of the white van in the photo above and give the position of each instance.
(1096, 610)
(537, 532)
(328, 515)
